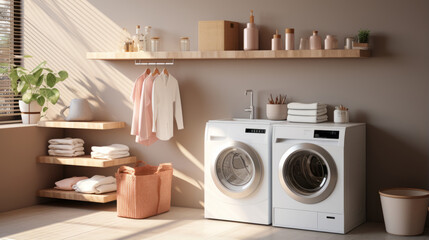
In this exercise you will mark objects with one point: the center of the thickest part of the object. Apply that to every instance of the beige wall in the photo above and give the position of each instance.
(21, 176)
(388, 91)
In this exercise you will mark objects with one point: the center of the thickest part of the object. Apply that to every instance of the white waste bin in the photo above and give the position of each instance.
(404, 210)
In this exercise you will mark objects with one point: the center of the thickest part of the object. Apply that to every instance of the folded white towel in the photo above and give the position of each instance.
(105, 188)
(110, 149)
(65, 153)
(90, 185)
(307, 119)
(308, 106)
(64, 146)
(314, 112)
(109, 156)
(66, 141)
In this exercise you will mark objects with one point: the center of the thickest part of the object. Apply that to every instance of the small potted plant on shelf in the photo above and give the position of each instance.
(37, 88)
(276, 108)
(363, 40)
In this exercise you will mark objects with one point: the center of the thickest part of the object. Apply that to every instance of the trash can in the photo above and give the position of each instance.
(404, 210)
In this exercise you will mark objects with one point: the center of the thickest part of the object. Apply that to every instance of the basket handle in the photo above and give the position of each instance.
(130, 170)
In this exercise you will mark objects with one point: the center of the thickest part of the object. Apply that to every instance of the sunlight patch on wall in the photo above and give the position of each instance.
(189, 156)
(62, 32)
(188, 179)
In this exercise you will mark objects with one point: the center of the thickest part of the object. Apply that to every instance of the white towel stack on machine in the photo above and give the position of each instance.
(110, 152)
(307, 112)
(66, 147)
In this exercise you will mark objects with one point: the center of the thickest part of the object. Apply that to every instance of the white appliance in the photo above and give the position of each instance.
(319, 176)
(237, 170)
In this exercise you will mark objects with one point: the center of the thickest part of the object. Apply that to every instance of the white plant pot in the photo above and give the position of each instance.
(30, 113)
(276, 111)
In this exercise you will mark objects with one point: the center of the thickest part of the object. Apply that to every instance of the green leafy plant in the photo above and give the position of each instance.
(363, 36)
(37, 84)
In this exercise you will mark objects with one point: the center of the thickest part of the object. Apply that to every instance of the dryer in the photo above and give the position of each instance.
(319, 176)
(237, 170)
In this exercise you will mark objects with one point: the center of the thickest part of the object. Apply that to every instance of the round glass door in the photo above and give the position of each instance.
(237, 170)
(307, 173)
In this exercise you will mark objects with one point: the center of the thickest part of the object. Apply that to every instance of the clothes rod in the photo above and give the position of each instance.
(146, 63)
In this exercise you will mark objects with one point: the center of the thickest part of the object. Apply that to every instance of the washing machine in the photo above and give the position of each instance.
(319, 176)
(237, 170)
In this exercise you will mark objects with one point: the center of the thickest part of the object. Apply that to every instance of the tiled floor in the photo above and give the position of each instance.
(78, 220)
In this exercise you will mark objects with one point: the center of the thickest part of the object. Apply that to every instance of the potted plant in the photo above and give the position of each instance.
(363, 40)
(276, 108)
(37, 88)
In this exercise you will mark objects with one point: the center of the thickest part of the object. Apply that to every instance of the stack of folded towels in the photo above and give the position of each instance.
(110, 152)
(96, 184)
(307, 112)
(66, 147)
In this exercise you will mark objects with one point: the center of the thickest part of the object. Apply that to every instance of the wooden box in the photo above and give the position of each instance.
(217, 35)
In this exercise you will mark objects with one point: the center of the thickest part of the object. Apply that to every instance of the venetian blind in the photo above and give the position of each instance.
(10, 52)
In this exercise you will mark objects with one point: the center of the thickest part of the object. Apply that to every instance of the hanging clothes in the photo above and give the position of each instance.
(165, 93)
(146, 136)
(136, 99)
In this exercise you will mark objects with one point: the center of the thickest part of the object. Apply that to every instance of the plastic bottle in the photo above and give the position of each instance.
(315, 41)
(290, 39)
(276, 42)
(145, 40)
(136, 40)
(251, 35)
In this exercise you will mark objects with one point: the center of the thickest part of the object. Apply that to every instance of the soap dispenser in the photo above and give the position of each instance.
(251, 35)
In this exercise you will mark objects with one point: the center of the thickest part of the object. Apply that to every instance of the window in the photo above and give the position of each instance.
(10, 52)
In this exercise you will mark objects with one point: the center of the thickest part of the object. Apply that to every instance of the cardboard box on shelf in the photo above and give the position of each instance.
(218, 35)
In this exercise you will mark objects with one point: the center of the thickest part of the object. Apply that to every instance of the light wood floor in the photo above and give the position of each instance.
(79, 220)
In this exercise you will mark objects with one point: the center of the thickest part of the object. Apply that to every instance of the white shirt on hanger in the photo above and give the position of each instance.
(165, 102)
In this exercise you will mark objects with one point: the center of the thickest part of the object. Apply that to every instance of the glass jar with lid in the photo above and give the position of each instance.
(154, 44)
(184, 44)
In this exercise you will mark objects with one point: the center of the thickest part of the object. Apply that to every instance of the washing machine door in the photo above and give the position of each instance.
(307, 173)
(237, 170)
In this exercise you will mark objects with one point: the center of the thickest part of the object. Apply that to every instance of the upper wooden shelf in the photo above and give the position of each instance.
(260, 54)
(82, 125)
(86, 161)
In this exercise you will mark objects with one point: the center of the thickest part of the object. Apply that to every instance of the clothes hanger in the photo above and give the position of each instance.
(155, 71)
(165, 71)
(147, 72)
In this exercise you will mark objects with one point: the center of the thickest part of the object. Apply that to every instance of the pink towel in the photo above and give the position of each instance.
(136, 98)
(66, 184)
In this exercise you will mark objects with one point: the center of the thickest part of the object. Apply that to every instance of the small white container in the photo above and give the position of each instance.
(331, 42)
(276, 111)
(276, 41)
(290, 39)
(404, 210)
(341, 116)
(30, 113)
(304, 44)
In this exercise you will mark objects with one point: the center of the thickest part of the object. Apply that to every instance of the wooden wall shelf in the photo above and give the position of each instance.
(86, 161)
(97, 125)
(200, 55)
(72, 195)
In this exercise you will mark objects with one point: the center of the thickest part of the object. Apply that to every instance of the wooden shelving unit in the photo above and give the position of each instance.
(86, 161)
(72, 195)
(96, 125)
(201, 55)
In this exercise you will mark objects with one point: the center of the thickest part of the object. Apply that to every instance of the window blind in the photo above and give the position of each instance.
(10, 52)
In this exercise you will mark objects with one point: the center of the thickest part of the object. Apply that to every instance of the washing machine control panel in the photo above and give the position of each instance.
(326, 134)
(255, 130)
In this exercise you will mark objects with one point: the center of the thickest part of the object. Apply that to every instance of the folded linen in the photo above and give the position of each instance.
(313, 112)
(64, 146)
(67, 183)
(110, 156)
(92, 185)
(105, 188)
(110, 148)
(66, 141)
(307, 119)
(303, 106)
(64, 153)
